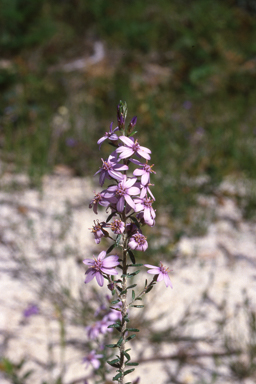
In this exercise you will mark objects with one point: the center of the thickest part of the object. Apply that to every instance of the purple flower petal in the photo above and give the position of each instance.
(90, 275)
(127, 152)
(138, 172)
(121, 167)
(133, 191)
(133, 244)
(101, 140)
(102, 255)
(116, 175)
(100, 279)
(126, 140)
(130, 182)
(145, 178)
(88, 261)
(109, 271)
(143, 154)
(167, 281)
(120, 204)
(130, 202)
(113, 137)
(147, 216)
(160, 277)
(110, 261)
(145, 149)
(153, 271)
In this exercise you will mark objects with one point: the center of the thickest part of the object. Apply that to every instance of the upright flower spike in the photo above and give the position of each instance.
(100, 266)
(128, 200)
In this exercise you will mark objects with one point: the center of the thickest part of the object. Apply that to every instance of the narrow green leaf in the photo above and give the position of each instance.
(117, 376)
(111, 248)
(124, 291)
(111, 345)
(120, 341)
(134, 273)
(133, 295)
(131, 364)
(149, 289)
(132, 329)
(132, 286)
(114, 326)
(130, 337)
(115, 301)
(135, 265)
(114, 363)
(138, 298)
(133, 133)
(118, 238)
(132, 257)
(128, 275)
(110, 216)
(129, 371)
(116, 309)
(135, 221)
(128, 357)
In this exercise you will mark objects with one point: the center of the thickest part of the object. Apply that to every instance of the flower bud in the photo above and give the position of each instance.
(132, 125)
(111, 286)
(121, 114)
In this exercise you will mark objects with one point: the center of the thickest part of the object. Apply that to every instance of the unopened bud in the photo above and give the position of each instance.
(132, 125)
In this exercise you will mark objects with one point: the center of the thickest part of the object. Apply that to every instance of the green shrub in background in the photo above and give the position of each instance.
(23, 23)
(187, 69)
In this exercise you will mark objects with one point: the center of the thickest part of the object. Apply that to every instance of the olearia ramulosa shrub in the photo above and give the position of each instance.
(128, 201)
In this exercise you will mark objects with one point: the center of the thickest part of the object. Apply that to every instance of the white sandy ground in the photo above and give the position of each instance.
(225, 263)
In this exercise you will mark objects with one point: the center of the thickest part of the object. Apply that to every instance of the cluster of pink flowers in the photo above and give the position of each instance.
(127, 195)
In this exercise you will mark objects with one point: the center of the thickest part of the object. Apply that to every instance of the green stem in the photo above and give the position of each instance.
(124, 308)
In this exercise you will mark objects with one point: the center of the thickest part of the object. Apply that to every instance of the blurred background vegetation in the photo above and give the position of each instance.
(187, 69)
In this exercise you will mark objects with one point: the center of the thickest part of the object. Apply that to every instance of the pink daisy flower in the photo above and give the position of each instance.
(132, 147)
(162, 273)
(100, 266)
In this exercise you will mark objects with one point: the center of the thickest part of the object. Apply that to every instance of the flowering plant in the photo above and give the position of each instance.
(129, 201)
